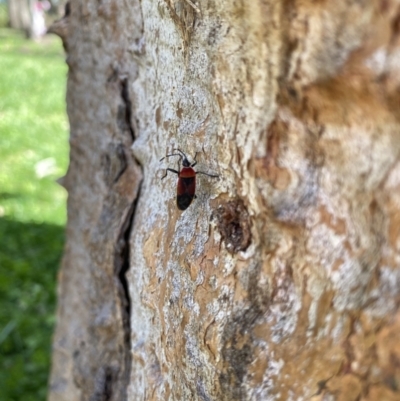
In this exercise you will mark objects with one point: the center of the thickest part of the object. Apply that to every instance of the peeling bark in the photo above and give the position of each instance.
(281, 281)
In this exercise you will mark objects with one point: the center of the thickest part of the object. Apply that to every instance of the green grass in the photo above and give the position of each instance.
(29, 259)
(32, 128)
(33, 153)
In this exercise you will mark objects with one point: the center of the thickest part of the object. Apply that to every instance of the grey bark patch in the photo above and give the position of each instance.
(114, 163)
(237, 356)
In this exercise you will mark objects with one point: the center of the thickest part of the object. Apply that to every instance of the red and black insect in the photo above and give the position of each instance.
(186, 189)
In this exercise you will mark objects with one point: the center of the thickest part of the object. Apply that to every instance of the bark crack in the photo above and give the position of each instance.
(127, 109)
(122, 258)
(123, 251)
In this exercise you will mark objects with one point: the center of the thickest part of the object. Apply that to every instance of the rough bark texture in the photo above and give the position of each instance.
(281, 281)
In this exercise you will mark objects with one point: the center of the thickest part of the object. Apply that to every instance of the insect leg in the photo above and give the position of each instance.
(210, 175)
(171, 170)
(194, 159)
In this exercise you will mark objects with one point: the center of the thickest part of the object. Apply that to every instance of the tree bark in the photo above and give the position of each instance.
(281, 280)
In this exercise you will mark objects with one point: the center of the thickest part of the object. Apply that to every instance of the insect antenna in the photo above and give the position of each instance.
(183, 154)
(172, 154)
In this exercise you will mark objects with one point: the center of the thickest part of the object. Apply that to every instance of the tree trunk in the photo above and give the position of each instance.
(19, 14)
(28, 16)
(281, 280)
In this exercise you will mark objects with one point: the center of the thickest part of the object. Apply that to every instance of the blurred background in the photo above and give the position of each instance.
(33, 154)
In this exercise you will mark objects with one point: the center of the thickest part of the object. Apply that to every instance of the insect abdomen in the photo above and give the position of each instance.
(185, 191)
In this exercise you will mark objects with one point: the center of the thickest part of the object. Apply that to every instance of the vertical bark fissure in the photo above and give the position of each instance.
(123, 255)
(104, 385)
(123, 249)
(128, 106)
(108, 385)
